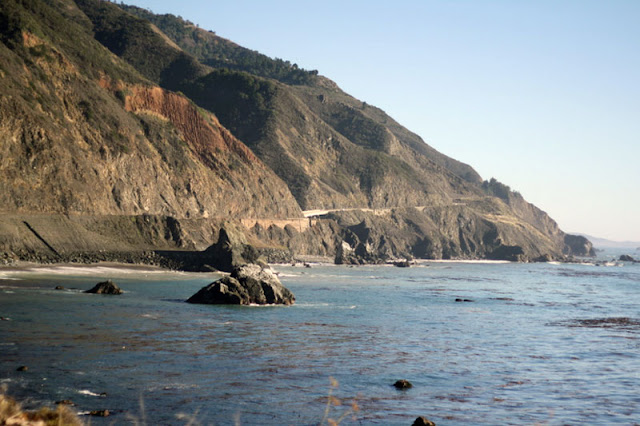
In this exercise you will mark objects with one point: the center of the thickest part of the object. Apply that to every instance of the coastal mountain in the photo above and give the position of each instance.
(84, 133)
(110, 113)
(601, 243)
(332, 150)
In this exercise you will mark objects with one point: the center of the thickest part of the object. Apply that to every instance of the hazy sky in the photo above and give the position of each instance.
(542, 95)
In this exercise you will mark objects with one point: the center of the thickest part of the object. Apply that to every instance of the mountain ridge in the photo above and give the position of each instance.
(607, 243)
(150, 115)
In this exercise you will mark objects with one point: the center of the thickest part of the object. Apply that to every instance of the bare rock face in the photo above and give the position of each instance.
(248, 284)
(506, 252)
(105, 287)
(230, 251)
(346, 255)
(577, 245)
(364, 243)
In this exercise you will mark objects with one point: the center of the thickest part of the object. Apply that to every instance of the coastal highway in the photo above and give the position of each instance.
(378, 211)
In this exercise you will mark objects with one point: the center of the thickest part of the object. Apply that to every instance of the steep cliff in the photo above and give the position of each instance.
(81, 138)
(337, 152)
(331, 149)
(138, 132)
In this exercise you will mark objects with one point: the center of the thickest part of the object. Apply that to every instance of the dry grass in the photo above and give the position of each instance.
(12, 414)
(332, 401)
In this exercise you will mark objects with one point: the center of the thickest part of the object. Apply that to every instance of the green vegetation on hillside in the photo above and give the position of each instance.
(218, 52)
(359, 128)
(135, 41)
(245, 104)
(242, 102)
(57, 25)
(499, 189)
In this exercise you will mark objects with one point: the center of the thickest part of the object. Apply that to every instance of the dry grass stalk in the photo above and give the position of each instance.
(12, 414)
(332, 401)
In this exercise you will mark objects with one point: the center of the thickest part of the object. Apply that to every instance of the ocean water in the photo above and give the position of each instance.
(536, 344)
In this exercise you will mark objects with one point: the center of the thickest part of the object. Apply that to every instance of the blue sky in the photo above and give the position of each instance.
(542, 95)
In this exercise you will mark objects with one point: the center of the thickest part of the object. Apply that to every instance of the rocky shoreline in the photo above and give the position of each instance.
(190, 261)
(347, 237)
(350, 238)
(145, 257)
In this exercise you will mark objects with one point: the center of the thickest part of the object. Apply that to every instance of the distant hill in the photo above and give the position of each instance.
(110, 113)
(604, 243)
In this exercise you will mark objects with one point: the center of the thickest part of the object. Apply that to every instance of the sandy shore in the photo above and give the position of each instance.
(21, 266)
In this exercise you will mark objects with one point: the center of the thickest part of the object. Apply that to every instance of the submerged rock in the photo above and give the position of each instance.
(105, 287)
(613, 322)
(403, 384)
(247, 284)
(423, 421)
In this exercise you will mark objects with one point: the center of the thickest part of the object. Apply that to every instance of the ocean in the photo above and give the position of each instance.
(481, 343)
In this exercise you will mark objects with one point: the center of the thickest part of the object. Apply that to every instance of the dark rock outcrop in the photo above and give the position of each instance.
(364, 243)
(510, 253)
(626, 258)
(6, 259)
(346, 255)
(105, 287)
(402, 384)
(230, 251)
(543, 258)
(248, 284)
(577, 245)
(423, 421)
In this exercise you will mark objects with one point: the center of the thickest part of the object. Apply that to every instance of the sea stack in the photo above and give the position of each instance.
(247, 284)
(105, 287)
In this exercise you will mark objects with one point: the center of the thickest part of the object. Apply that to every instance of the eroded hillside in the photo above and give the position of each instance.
(106, 141)
(117, 116)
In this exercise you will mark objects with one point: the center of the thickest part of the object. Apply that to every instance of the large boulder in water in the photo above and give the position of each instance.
(247, 284)
(105, 287)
